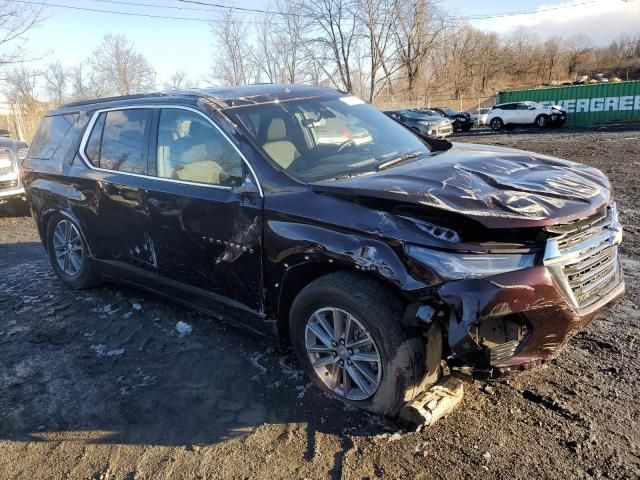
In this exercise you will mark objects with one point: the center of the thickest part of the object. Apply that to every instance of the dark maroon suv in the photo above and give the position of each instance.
(374, 252)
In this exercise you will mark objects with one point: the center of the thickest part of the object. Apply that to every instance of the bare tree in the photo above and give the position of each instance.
(234, 63)
(552, 53)
(179, 81)
(420, 28)
(22, 83)
(330, 37)
(521, 46)
(56, 79)
(120, 68)
(16, 19)
(380, 21)
(576, 48)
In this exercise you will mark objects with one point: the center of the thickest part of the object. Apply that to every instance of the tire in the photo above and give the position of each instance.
(78, 274)
(542, 121)
(402, 364)
(496, 124)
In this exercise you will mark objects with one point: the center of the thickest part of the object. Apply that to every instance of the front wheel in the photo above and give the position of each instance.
(496, 124)
(347, 335)
(542, 121)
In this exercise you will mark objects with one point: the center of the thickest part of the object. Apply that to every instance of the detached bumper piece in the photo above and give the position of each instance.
(432, 404)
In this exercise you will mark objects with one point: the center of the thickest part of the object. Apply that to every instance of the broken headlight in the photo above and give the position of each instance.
(455, 266)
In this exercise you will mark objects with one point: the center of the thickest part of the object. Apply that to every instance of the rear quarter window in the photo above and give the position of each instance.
(51, 133)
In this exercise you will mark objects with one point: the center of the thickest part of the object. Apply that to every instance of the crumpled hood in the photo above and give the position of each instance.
(499, 187)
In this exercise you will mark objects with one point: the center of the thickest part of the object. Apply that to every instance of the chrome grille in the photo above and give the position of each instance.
(585, 256)
(6, 184)
(592, 275)
(445, 129)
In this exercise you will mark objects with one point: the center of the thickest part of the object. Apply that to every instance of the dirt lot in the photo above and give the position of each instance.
(101, 384)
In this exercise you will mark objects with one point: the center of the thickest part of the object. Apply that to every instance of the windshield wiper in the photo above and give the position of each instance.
(399, 159)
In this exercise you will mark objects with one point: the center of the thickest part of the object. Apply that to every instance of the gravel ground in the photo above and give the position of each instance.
(113, 383)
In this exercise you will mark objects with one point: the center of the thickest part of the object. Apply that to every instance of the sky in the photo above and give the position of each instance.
(179, 45)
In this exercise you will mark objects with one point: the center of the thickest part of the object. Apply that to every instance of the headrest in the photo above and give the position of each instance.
(277, 130)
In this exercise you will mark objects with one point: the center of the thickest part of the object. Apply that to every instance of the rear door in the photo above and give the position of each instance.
(116, 220)
(508, 113)
(205, 208)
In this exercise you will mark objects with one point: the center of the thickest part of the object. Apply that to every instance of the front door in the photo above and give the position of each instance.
(205, 209)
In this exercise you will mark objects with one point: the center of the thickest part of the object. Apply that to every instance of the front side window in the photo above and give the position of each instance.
(191, 149)
(118, 140)
(325, 138)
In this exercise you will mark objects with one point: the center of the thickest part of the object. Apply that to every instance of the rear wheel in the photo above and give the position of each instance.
(496, 124)
(68, 253)
(346, 333)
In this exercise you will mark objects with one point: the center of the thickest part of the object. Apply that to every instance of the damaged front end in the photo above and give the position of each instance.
(519, 309)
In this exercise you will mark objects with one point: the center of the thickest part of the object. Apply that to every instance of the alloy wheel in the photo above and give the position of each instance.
(67, 246)
(343, 353)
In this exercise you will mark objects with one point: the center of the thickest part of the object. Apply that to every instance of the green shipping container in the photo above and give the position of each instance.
(586, 104)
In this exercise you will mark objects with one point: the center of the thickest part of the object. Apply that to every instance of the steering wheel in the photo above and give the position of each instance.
(343, 145)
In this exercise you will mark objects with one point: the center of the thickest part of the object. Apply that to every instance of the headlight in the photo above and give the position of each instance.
(424, 122)
(22, 153)
(454, 266)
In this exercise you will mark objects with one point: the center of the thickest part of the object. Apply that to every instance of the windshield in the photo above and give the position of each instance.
(414, 114)
(326, 138)
(450, 111)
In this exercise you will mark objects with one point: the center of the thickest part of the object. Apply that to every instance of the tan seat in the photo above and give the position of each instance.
(281, 150)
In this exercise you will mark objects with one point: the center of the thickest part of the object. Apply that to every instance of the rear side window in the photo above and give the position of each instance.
(118, 141)
(51, 131)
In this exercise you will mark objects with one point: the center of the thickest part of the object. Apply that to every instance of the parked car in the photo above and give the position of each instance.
(11, 153)
(525, 113)
(479, 117)
(427, 123)
(460, 120)
(374, 260)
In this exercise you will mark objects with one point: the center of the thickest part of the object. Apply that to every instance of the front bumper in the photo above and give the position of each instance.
(532, 298)
(13, 192)
(558, 119)
(10, 185)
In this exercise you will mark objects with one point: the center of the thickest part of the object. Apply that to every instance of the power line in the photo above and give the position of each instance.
(97, 10)
(152, 5)
(462, 17)
(244, 9)
(212, 6)
(522, 12)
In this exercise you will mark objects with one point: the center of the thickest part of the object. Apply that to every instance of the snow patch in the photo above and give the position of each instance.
(183, 328)
(101, 351)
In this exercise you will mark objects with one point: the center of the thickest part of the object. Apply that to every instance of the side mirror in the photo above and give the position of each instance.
(531, 107)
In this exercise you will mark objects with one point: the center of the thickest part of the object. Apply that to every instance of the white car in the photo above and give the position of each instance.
(525, 113)
(479, 117)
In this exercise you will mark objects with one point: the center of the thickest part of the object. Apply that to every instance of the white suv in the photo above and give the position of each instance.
(525, 113)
